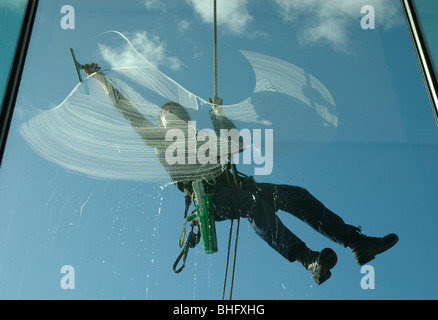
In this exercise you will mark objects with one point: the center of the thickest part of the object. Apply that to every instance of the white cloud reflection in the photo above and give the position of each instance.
(148, 45)
(232, 15)
(330, 22)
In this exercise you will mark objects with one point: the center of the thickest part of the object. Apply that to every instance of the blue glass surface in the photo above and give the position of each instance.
(11, 18)
(427, 12)
(368, 153)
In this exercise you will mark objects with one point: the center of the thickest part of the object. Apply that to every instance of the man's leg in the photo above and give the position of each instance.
(234, 203)
(300, 203)
(306, 207)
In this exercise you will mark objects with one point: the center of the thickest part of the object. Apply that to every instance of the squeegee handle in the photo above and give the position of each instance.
(78, 66)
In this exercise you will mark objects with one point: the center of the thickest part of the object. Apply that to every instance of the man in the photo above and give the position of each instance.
(258, 202)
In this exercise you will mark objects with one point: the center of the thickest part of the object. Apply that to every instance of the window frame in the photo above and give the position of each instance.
(15, 74)
(423, 54)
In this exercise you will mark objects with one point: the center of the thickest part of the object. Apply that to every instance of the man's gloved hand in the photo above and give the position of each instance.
(91, 68)
(215, 102)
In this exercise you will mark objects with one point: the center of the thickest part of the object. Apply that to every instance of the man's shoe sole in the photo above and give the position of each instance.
(327, 260)
(363, 259)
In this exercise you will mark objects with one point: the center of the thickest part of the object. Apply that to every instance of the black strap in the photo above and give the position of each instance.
(191, 242)
(188, 203)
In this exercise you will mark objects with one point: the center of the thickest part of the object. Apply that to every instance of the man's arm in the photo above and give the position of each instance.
(141, 125)
(221, 122)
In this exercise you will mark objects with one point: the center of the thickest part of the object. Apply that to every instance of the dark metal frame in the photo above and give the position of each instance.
(11, 91)
(429, 75)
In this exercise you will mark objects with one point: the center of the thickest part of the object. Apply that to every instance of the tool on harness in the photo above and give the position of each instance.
(202, 218)
(205, 214)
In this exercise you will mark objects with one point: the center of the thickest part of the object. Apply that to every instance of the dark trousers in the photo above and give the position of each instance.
(259, 202)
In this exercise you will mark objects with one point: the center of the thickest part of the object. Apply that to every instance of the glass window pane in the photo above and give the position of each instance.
(422, 18)
(11, 18)
(329, 100)
(427, 11)
(15, 21)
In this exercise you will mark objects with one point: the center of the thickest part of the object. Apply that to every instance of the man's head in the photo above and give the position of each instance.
(171, 113)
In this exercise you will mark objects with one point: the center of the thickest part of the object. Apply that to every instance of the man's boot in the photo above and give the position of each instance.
(317, 263)
(365, 248)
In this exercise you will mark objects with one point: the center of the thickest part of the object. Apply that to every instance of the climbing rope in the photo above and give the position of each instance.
(194, 238)
(233, 167)
(215, 46)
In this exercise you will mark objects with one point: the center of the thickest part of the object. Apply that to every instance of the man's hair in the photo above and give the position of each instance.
(172, 108)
